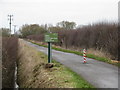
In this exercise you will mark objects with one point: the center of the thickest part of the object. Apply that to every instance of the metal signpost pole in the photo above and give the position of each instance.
(49, 38)
(49, 52)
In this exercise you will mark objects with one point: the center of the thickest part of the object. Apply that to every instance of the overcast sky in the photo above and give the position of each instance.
(52, 11)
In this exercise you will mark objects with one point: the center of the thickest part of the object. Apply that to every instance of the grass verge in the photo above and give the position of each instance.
(33, 74)
(68, 76)
(103, 59)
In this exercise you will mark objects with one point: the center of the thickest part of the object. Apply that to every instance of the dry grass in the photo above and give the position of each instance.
(99, 53)
(32, 73)
(28, 66)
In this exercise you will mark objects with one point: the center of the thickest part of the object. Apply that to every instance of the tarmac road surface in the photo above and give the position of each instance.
(99, 74)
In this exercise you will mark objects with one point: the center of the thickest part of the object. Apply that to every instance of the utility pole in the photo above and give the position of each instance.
(10, 21)
(14, 28)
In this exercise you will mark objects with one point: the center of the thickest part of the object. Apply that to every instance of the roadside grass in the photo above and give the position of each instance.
(68, 76)
(103, 59)
(33, 74)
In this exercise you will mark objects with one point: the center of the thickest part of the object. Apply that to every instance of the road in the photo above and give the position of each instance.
(99, 74)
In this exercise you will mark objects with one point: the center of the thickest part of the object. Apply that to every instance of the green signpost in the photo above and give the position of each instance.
(50, 37)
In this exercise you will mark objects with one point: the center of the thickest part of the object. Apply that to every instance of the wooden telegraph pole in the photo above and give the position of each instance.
(10, 21)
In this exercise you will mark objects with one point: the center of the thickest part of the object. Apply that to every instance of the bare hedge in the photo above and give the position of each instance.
(100, 36)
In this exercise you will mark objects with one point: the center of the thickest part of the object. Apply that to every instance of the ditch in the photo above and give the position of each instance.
(15, 77)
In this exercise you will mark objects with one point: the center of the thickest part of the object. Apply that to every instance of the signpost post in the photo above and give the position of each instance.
(49, 52)
(50, 37)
